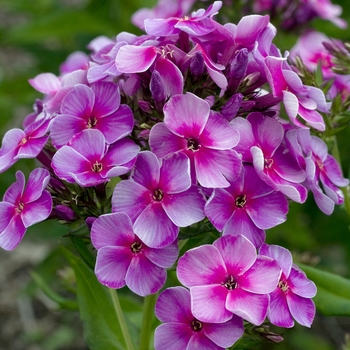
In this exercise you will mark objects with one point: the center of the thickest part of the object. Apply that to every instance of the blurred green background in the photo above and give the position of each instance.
(36, 37)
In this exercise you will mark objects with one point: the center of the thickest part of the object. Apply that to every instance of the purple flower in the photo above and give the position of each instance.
(247, 207)
(298, 99)
(159, 198)
(291, 298)
(181, 330)
(262, 144)
(96, 107)
(26, 143)
(205, 137)
(24, 206)
(88, 161)
(321, 169)
(198, 23)
(228, 278)
(124, 259)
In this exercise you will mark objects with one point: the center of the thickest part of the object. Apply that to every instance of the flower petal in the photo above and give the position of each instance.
(302, 309)
(172, 336)
(251, 307)
(164, 257)
(279, 313)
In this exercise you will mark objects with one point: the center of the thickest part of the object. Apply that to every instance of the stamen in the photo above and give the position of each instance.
(97, 167)
(20, 207)
(241, 201)
(92, 121)
(193, 145)
(158, 195)
(136, 247)
(283, 286)
(23, 141)
(230, 283)
(268, 163)
(196, 325)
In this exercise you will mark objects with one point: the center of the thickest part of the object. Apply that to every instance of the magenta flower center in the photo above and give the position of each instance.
(283, 286)
(23, 141)
(92, 121)
(158, 195)
(196, 325)
(230, 283)
(19, 207)
(268, 163)
(241, 201)
(193, 145)
(97, 167)
(136, 247)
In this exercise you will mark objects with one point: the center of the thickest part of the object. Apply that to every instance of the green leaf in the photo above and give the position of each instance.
(333, 292)
(101, 328)
(84, 252)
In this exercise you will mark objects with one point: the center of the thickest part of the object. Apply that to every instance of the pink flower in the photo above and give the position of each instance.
(234, 280)
(159, 198)
(292, 297)
(89, 161)
(205, 137)
(263, 146)
(181, 330)
(247, 207)
(24, 206)
(26, 143)
(124, 259)
(96, 107)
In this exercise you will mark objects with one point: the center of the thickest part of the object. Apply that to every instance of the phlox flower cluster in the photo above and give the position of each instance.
(180, 128)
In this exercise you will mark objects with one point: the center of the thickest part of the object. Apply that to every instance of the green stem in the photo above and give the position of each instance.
(147, 320)
(121, 319)
(336, 154)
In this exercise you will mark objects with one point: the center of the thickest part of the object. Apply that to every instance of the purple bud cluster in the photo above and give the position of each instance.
(186, 123)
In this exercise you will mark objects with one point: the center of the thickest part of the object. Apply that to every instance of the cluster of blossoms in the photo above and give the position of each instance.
(187, 118)
(296, 13)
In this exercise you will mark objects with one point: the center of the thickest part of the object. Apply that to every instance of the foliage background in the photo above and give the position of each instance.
(36, 37)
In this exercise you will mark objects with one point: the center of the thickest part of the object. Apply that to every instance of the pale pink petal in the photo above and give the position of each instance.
(172, 336)
(218, 133)
(251, 307)
(208, 303)
(300, 284)
(154, 227)
(107, 99)
(241, 224)
(175, 174)
(116, 125)
(131, 198)
(238, 253)
(312, 117)
(268, 132)
(279, 313)
(164, 257)
(135, 59)
(334, 173)
(200, 341)
(143, 277)
(268, 211)
(302, 309)
(262, 277)
(64, 127)
(163, 142)
(185, 208)
(47, 83)
(7, 211)
(37, 211)
(246, 140)
(147, 170)
(78, 102)
(224, 334)
(249, 27)
(282, 255)
(186, 115)
(121, 153)
(111, 266)
(291, 104)
(207, 271)
(112, 230)
(15, 190)
(172, 76)
(219, 208)
(32, 147)
(215, 167)
(12, 235)
(161, 27)
(180, 301)
(37, 181)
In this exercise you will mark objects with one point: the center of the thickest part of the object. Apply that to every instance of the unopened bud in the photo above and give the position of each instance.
(197, 64)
